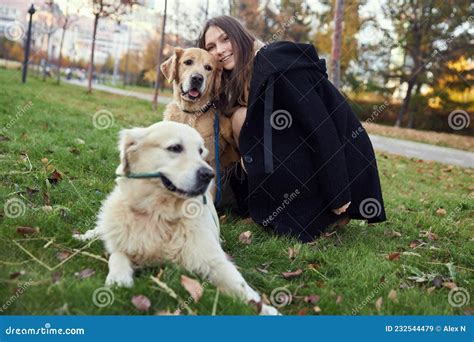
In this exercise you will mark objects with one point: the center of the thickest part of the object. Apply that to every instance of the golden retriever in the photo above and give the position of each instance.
(196, 78)
(157, 211)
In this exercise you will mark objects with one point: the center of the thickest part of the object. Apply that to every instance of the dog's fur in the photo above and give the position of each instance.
(143, 222)
(177, 70)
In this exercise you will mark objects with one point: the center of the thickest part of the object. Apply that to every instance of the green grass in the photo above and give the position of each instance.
(347, 269)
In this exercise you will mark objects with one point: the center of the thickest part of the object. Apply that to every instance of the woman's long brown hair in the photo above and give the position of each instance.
(237, 81)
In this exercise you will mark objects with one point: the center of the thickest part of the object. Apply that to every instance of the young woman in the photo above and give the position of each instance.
(309, 162)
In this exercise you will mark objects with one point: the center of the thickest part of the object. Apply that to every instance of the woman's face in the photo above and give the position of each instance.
(218, 44)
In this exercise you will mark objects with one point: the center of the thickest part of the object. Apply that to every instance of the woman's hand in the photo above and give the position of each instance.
(342, 209)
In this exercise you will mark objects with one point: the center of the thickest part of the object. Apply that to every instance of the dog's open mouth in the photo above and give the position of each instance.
(192, 94)
(173, 188)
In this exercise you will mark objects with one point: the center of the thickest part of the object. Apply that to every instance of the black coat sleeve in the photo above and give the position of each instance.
(320, 132)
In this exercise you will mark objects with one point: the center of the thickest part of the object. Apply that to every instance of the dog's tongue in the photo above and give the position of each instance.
(194, 92)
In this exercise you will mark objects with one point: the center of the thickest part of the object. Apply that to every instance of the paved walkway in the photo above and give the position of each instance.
(405, 148)
(123, 92)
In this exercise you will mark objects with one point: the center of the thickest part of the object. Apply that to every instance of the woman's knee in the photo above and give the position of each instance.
(238, 119)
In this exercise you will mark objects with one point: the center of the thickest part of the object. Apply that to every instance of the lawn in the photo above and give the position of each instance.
(58, 165)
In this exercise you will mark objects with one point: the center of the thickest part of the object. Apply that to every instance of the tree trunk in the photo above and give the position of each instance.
(45, 66)
(91, 62)
(160, 56)
(127, 56)
(336, 44)
(411, 115)
(61, 51)
(406, 102)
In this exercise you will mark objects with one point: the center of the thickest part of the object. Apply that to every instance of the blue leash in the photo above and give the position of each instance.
(218, 166)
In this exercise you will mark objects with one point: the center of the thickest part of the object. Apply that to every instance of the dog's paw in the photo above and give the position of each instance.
(268, 310)
(122, 280)
(86, 236)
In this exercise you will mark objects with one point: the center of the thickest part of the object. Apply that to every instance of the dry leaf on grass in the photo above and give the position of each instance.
(193, 287)
(62, 255)
(293, 252)
(292, 274)
(17, 274)
(85, 273)
(441, 212)
(317, 309)
(141, 302)
(392, 295)
(378, 303)
(339, 299)
(450, 285)
(394, 256)
(312, 299)
(246, 237)
(27, 230)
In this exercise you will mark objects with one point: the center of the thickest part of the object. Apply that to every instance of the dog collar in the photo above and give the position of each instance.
(203, 110)
(171, 187)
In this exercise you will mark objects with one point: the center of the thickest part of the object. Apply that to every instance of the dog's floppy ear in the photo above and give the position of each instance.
(169, 68)
(216, 87)
(128, 143)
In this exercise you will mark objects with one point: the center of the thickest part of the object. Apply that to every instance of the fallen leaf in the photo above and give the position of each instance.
(378, 303)
(312, 299)
(27, 230)
(63, 255)
(55, 177)
(415, 243)
(44, 160)
(79, 141)
(4, 138)
(246, 237)
(17, 274)
(394, 256)
(428, 234)
(437, 282)
(441, 212)
(293, 252)
(56, 277)
(450, 285)
(31, 191)
(74, 150)
(392, 295)
(339, 299)
(85, 273)
(193, 287)
(141, 302)
(292, 274)
(302, 312)
(431, 289)
(317, 309)
(47, 208)
(313, 266)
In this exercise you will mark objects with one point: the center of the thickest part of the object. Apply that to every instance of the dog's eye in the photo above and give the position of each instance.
(175, 148)
(208, 67)
(188, 62)
(200, 151)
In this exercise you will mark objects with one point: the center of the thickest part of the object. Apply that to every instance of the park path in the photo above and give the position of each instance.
(123, 92)
(400, 147)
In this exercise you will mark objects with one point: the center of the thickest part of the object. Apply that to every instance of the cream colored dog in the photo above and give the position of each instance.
(161, 209)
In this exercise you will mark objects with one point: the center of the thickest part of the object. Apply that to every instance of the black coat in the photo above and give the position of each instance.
(304, 149)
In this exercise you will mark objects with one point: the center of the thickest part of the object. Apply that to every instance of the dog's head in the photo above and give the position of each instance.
(195, 74)
(174, 150)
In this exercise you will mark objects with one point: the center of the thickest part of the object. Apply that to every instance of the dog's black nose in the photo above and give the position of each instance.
(205, 174)
(197, 79)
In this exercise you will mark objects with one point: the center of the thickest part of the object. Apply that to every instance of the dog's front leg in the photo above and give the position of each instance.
(213, 264)
(120, 270)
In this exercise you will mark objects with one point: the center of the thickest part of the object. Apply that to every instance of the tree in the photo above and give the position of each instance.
(104, 8)
(424, 32)
(295, 19)
(336, 43)
(67, 20)
(160, 58)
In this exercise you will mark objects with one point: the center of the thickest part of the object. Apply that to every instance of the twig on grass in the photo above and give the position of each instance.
(170, 292)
